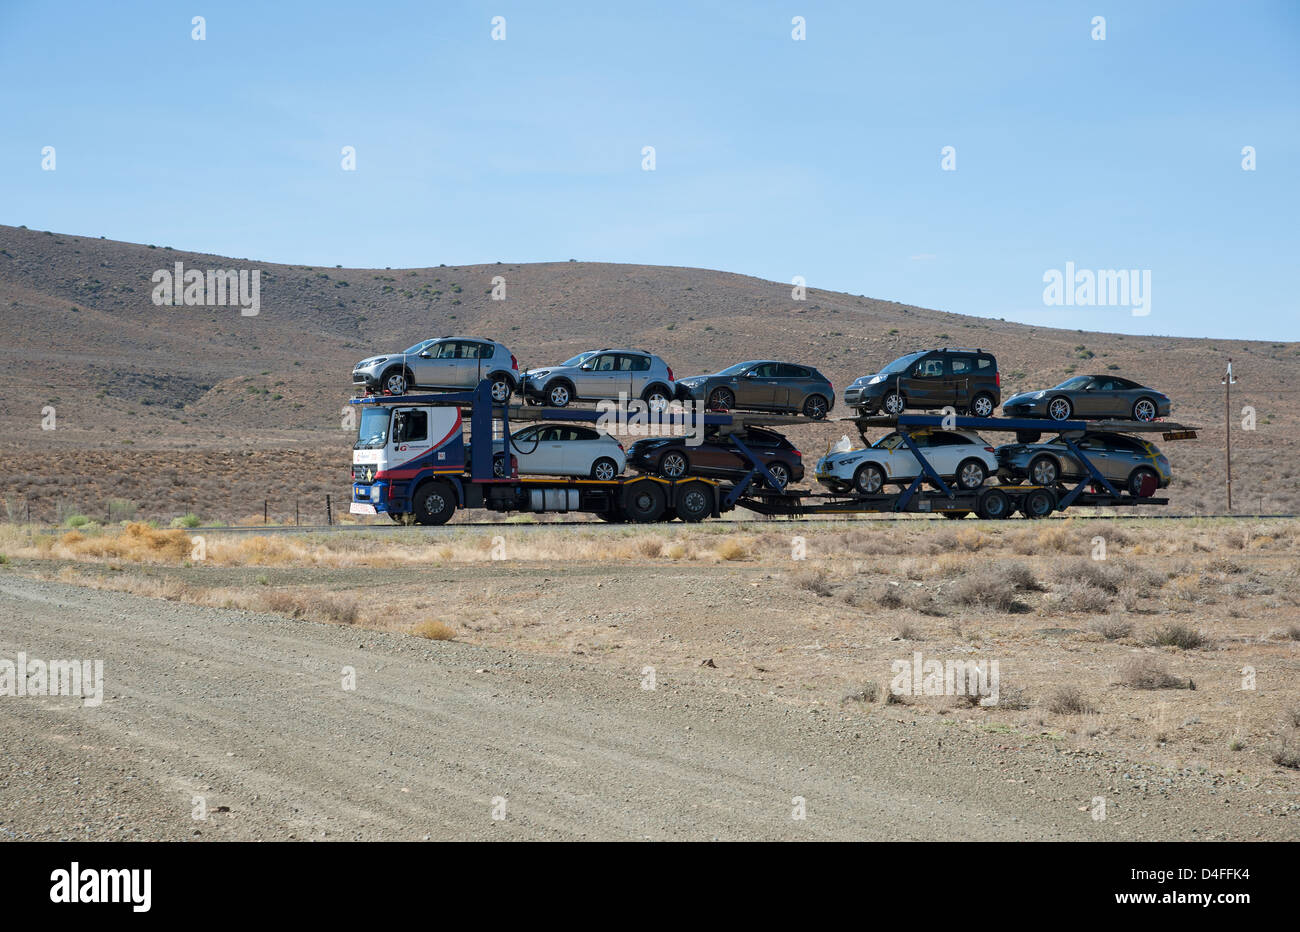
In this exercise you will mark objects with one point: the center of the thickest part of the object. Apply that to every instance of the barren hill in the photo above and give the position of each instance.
(202, 409)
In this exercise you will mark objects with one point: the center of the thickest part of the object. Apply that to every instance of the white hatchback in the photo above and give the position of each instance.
(562, 450)
(959, 455)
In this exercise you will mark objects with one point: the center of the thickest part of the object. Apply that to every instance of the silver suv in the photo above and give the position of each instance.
(446, 362)
(602, 374)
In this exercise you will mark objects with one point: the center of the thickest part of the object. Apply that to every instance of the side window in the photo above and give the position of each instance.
(786, 371)
(767, 370)
(626, 363)
(584, 433)
(605, 363)
(961, 365)
(526, 436)
(445, 350)
(468, 350)
(984, 363)
(638, 363)
(484, 350)
(412, 425)
(931, 368)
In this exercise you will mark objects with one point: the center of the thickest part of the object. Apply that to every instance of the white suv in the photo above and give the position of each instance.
(959, 455)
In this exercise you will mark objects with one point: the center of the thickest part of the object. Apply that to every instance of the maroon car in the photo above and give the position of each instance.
(717, 456)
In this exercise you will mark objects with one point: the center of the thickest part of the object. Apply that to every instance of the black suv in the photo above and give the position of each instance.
(966, 379)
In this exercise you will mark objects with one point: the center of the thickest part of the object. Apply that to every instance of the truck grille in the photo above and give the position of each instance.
(364, 473)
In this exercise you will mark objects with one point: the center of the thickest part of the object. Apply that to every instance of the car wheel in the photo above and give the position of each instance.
(1136, 478)
(1060, 408)
(869, 479)
(955, 515)
(993, 504)
(1044, 471)
(694, 502)
(604, 469)
(971, 474)
(558, 395)
(781, 473)
(435, 503)
(982, 405)
(655, 398)
(893, 404)
(644, 502)
(501, 390)
(815, 407)
(1144, 409)
(722, 399)
(674, 464)
(395, 382)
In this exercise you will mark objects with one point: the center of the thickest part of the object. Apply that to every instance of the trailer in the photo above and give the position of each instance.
(413, 462)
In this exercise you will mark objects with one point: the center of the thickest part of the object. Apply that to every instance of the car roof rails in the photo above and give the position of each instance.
(960, 349)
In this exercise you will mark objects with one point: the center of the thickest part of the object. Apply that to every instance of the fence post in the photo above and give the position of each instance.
(295, 512)
(329, 512)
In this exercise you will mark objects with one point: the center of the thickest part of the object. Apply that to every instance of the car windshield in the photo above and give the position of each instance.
(737, 368)
(901, 364)
(888, 442)
(412, 350)
(1079, 381)
(579, 359)
(373, 432)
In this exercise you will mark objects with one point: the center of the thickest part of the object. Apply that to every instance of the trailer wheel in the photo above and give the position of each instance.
(644, 502)
(694, 502)
(993, 504)
(435, 503)
(1038, 503)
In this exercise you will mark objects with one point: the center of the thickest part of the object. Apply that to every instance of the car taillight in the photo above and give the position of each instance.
(797, 453)
(514, 465)
(620, 446)
(989, 450)
(997, 379)
(670, 374)
(514, 364)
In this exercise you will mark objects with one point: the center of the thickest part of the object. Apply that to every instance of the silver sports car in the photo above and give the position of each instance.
(1090, 397)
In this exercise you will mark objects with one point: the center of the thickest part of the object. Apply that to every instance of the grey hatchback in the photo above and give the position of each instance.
(444, 363)
(1120, 458)
(762, 385)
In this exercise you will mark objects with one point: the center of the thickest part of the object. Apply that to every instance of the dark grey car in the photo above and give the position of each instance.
(1091, 396)
(1121, 458)
(762, 385)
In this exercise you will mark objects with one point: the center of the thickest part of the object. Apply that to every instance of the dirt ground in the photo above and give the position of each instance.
(1173, 647)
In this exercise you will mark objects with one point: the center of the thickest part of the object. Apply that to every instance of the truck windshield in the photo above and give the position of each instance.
(373, 432)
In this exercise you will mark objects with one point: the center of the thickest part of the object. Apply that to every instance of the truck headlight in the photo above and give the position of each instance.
(374, 493)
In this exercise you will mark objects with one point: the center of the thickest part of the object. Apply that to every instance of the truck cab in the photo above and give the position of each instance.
(397, 447)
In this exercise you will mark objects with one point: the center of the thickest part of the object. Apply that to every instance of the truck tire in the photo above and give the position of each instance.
(993, 504)
(435, 502)
(694, 502)
(1038, 503)
(644, 501)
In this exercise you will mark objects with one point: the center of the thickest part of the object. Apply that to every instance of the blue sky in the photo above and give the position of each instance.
(774, 157)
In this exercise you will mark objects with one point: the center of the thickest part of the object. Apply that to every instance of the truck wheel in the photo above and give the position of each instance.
(644, 502)
(993, 504)
(694, 502)
(1039, 503)
(435, 503)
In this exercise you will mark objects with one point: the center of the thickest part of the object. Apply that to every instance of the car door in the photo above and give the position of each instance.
(477, 370)
(1089, 399)
(581, 450)
(790, 387)
(438, 365)
(924, 384)
(957, 381)
(637, 367)
(598, 377)
(897, 459)
(423, 365)
(524, 447)
(760, 386)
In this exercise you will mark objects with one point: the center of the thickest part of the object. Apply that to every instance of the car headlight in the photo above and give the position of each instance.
(540, 375)
(875, 380)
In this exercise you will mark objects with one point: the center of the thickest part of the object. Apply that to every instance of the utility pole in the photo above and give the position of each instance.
(1228, 381)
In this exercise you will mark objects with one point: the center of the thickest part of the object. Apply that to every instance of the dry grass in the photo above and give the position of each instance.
(1143, 671)
(1070, 700)
(1176, 634)
(434, 630)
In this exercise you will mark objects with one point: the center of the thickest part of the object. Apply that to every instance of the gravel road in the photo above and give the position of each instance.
(249, 712)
